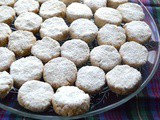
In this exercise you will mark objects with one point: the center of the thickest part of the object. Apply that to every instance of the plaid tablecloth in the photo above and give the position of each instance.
(145, 106)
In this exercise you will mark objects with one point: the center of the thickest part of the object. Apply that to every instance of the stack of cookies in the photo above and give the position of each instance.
(55, 70)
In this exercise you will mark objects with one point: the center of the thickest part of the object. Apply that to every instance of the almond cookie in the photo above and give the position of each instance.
(108, 15)
(75, 50)
(55, 28)
(35, 96)
(70, 101)
(133, 54)
(28, 21)
(22, 6)
(115, 3)
(25, 69)
(6, 84)
(60, 72)
(52, 8)
(7, 15)
(78, 10)
(95, 4)
(131, 12)
(21, 42)
(6, 59)
(46, 49)
(138, 31)
(5, 31)
(123, 79)
(67, 2)
(83, 29)
(105, 56)
(111, 35)
(7, 2)
(90, 79)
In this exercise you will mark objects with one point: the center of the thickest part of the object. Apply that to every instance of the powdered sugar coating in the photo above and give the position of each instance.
(90, 79)
(35, 95)
(7, 14)
(28, 21)
(108, 15)
(76, 50)
(22, 6)
(46, 49)
(70, 101)
(95, 4)
(6, 84)
(138, 31)
(7, 57)
(20, 42)
(60, 72)
(83, 29)
(5, 31)
(7, 2)
(105, 56)
(115, 3)
(111, 35)
(55, 28)
(123, 79)
(131, 12)
(78, 10)
(52, 8)
(25, 69)
(133, 54)
(67, 2)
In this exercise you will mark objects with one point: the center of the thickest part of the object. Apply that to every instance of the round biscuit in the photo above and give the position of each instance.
(6, 84)
(105, 56)
(76, 50)
(70, 101)
(60, 72)
(123, 79)
(25, 69)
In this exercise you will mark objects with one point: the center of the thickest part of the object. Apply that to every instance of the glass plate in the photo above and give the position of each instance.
(106, 100)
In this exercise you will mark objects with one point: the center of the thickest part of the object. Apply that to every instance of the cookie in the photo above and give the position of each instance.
(56, 28)
(106, 15)
(28, 21)
(68, 2)
(60, 72)
(83, 29)
(95, 4)
(6, 84)
(111, 35)
(22, 6)
(25, 69)
(105, 56)
(35, 96)
(115, 3)
(52, 8)
(133, 54)
(46, 49)
(123, 79)
(7, 2)
(5, 31)
(20, 42)
(138, 31)
(131, 12)
(6, 59)
(70, 101)
(7, 15)
(76, 50)
(90, 79)
(78, 10)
